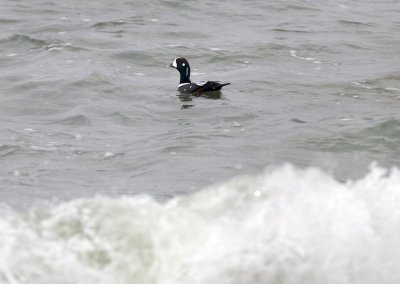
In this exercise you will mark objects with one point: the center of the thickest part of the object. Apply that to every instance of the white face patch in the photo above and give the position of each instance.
(174, 64)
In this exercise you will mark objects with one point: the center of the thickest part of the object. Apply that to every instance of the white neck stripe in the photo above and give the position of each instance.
(180, 85)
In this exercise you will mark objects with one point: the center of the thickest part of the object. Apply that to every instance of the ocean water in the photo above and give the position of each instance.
(108, 175)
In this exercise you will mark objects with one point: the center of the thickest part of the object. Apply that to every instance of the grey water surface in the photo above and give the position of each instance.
(88, 105)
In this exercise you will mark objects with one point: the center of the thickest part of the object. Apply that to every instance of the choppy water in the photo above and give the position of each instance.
(88, 107)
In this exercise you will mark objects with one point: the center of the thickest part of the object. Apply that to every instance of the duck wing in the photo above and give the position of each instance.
(211, 86)
(201, 87)
(189, 87)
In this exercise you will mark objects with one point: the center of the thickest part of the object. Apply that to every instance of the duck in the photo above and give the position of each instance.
(186, 86)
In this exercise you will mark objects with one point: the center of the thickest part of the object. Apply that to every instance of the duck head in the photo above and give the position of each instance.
(182, 65)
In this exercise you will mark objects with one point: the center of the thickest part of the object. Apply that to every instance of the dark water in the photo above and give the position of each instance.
(89, 107)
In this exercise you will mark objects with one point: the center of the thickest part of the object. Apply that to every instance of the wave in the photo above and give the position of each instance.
(6, 150)
(18, 40)
(380, 138)
(286, 225)
(23, 43)
(76, 120)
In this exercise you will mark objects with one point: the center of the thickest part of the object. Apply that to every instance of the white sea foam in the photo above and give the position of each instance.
(293, 53)
(284, 226)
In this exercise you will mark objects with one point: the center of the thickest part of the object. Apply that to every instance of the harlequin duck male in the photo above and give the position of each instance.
(186, 86)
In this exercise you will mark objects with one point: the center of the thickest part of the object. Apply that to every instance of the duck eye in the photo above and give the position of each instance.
(183, 64)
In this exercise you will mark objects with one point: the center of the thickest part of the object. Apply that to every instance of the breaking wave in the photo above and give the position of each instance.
(286, 225)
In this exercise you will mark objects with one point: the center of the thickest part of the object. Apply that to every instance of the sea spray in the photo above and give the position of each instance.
(287, 225)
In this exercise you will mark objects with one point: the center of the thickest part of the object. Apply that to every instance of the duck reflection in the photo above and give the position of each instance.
(186, 98)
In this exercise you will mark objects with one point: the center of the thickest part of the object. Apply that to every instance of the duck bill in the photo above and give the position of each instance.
(170, 65)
